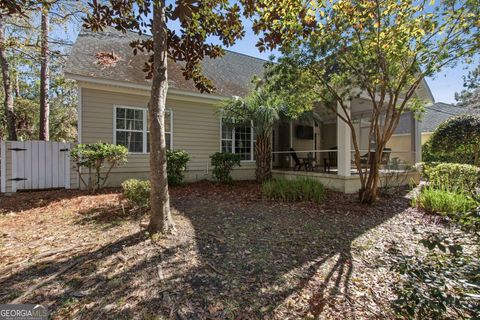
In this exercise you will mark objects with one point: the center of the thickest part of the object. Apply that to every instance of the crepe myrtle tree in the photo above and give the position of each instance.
(338, 49)
(188, 43)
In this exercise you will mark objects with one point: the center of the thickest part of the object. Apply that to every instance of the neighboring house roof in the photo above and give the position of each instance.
(231, 74)
(434, 115)
(439, 112)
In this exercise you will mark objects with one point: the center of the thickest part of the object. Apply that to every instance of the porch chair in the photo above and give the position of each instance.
(332, 159)
(298, 163)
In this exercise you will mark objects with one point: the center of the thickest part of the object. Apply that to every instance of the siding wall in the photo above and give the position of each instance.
(196, 129)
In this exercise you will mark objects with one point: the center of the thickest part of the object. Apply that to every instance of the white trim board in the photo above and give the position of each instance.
(142, 87)
(79, 114)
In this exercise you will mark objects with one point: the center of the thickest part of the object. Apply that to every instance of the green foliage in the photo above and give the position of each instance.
(137, 192)
(93, 157)
(453, 177)
(223, 164)
(445, 202)
(26, 118)
(176, 165)
(196, 23)
(425, 167)
(264, 110)
(429, 156)
(300, 189)
(442, 284)
(331, 49)
(458, 140)
(470, 95)
(259, 106)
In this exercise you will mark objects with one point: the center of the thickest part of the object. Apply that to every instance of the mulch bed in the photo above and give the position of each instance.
(235, 255)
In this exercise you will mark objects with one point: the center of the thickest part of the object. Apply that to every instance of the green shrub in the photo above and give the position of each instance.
(428, 155)
(93, 157)
(301, 189)
(223, 164)
(443, 284)
(176, 166)
(458, 138)
(137, 192)
(445, 202)
(453, 177)
(425, 167)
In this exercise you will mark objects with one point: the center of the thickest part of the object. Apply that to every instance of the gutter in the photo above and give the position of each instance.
(129, 85)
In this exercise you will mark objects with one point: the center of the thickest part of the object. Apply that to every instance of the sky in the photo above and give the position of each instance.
(443, 86)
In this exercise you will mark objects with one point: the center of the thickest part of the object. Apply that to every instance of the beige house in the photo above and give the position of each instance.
(113, 108)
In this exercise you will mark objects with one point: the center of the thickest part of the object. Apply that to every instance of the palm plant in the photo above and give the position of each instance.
(264, 111)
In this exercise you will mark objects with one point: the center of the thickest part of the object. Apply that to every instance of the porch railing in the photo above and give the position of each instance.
(326, 160)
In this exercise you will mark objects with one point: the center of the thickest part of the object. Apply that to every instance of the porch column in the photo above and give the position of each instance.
(344, 140)
(416, 138)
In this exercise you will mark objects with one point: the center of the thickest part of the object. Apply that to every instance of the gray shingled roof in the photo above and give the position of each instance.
(434, 115)
(231, 74)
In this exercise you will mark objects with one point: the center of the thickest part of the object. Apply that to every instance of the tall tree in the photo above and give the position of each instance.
(470, 96)
(197, 20)
(44, 133)
(7, 83)
(338, 49)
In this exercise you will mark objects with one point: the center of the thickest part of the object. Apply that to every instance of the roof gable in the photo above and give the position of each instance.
(231, 74)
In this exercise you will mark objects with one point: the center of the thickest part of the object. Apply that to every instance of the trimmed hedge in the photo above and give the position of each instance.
(301, 189)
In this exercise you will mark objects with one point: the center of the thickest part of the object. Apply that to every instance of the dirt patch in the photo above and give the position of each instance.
(235, 255)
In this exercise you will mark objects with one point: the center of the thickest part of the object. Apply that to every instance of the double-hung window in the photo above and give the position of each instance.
(131, 129)
(168, 130)
(238, 138)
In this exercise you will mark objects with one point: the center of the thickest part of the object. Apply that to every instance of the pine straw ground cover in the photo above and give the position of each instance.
(234, 255)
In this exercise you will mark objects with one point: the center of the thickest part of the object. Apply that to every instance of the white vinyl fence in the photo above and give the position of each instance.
(34, 165)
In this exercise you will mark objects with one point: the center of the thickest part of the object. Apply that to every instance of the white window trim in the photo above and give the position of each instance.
(252, 141)
(145, 126)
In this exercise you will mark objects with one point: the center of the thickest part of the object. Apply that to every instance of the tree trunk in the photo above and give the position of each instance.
(17, 85)
(7, 86)
(44, 133)
(369, 192)
(160, 217)
(263, 150)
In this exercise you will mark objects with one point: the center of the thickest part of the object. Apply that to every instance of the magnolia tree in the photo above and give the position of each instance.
(333, 51)
(188, 42)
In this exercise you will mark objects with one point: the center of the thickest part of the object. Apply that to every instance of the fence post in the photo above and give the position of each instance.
(67, 165)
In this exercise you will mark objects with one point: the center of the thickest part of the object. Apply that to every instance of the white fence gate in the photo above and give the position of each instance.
(37, 165)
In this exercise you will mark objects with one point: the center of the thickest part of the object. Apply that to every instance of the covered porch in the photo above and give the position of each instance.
(322, 148)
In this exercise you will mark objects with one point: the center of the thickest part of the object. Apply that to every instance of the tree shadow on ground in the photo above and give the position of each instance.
(109, 215)
(234, 256)
(27, 200)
